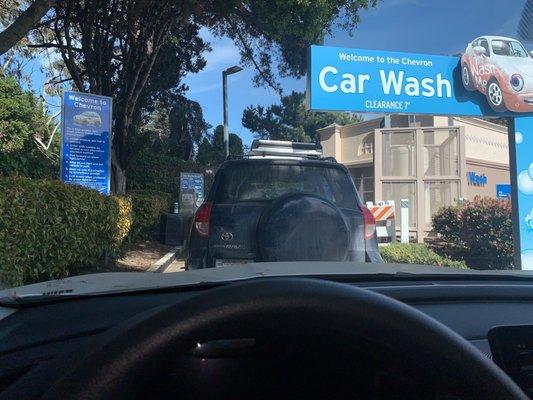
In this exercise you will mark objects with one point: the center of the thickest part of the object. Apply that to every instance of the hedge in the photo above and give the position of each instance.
(411, 253)
(159, 172)
(147, 206)
(480, 232)
(51, 230)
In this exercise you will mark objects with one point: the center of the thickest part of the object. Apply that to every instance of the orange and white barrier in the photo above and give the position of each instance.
(384, 213)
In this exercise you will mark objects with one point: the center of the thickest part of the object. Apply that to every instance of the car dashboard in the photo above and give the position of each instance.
(38, 341)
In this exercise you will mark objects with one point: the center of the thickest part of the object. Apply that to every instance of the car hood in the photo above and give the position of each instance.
(115, 282)
(515, 65)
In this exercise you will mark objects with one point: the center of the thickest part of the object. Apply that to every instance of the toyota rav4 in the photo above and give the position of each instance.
(283, 202)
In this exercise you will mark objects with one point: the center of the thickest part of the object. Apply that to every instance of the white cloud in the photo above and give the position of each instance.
(518, 137)
(205, 88)
(525, 183)
(224, 54)
(529, 219)
(527, 259)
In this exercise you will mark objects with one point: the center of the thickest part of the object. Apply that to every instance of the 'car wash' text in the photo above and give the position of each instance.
(393, 81)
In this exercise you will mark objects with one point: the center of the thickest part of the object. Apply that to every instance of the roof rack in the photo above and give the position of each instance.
(248, 156)
(285, 149)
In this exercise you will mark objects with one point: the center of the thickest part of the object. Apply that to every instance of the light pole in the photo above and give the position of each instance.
(225, 73)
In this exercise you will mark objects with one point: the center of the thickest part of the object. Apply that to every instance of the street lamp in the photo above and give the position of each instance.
(225, 73)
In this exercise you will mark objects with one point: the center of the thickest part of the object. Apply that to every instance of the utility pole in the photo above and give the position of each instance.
(225, 73)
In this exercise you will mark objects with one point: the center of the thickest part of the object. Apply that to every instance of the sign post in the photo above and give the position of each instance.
(86, 140)
(404, 225)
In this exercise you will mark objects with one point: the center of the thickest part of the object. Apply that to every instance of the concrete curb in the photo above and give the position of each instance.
(162, 264)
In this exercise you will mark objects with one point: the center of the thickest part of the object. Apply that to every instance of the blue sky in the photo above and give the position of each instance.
(418, 26)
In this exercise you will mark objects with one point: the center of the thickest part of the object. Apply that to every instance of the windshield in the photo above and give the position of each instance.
(508, 48)
(164, 137)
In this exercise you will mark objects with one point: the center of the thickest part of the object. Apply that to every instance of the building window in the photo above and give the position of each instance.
(441, 153)
(399, 153)
(367, 146)
(364, 182)
(439, 194)
(402, 190)
(421, 120)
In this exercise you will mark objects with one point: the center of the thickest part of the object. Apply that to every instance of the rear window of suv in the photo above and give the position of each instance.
(262, 182)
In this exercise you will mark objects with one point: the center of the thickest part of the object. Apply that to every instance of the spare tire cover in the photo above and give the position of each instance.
(302, 227)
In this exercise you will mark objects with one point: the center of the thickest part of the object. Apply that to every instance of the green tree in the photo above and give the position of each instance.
(290, 120)
(111, 47)
(23, 23)
(17, 116)
(176, 127)
(212, 150)
(187, 126)
(22, 122)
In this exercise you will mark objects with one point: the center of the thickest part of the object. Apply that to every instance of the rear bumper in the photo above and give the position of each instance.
(373, 256)
(198, 254)
(201, 262)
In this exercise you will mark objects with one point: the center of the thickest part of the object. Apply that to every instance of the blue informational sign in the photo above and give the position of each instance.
(503, 190)
(86, 142)
(346, 79)
(523, 128)
(192, 180)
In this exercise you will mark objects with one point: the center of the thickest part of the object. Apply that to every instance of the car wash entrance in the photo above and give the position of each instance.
(433, 161)
(429, 144)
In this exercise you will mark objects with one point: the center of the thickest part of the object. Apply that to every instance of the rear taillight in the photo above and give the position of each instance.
(370, 222)
(201, 219)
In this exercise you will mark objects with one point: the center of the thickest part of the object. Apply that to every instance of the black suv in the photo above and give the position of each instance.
(281, 208)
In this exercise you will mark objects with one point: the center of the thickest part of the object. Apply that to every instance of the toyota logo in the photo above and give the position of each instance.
(227, 236)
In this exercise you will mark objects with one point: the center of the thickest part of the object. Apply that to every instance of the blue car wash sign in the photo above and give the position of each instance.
(346, 79)
(492, 77)
(503, 190)
(86, 140)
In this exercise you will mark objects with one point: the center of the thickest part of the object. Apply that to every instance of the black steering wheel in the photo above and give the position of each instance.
(134, 351)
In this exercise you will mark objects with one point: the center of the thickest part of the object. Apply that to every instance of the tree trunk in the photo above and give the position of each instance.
(118, 176)
(10, 36)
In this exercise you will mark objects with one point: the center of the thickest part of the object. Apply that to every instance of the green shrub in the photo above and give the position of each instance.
(416, 254)
(51, 230)
(158, 172)
(478, 232)
(22, 119)
(147, 207)
(125, 219)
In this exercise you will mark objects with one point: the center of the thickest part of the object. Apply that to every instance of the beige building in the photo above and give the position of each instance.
(432, 161)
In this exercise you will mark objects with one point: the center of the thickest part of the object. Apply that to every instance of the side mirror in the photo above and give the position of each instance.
(531, 53)
(479, 50)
